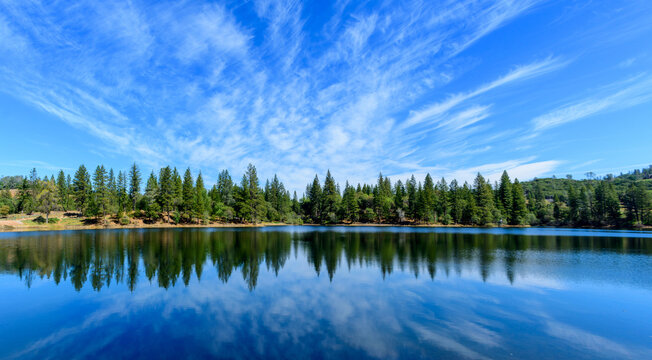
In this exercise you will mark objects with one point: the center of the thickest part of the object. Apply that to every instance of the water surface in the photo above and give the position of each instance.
(326, 292)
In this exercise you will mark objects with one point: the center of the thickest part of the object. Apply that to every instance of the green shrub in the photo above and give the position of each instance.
(4, 211)
(176, 217)
(125, 221)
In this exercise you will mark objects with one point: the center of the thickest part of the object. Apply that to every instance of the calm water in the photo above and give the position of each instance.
(305, 292)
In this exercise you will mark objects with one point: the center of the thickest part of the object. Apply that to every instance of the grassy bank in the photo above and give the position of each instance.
(63, 221)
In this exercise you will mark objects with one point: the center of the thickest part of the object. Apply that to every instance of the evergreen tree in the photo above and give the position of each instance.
(101, 190)
(151, 207)
(484, 200)
(428, 206)
(519, 208)
(557, 212)
(505, 197)
(442, 209)
(112, 194)
(314, 199)
(134, 185)
(607, 205)
(188, 192)
(350, 207)
(81, 188)
(251, 202)
(225, 188)
(296, 207)
(456, 202)
(411, 187)
(330, 200)
(400, 201)
(122, 196)
(62, 190)
(165, 190)
(382, 201)
(573, 204)
(201, 198)
(177, 203)
(637, 203)
(585, 206)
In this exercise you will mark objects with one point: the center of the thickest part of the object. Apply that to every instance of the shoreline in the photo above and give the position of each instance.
(60, 227)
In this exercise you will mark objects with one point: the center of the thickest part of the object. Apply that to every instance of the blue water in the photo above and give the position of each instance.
(326, 292)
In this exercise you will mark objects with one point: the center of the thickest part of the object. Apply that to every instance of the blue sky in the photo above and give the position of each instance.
(450, 88)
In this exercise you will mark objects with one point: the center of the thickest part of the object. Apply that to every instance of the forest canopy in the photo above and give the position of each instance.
(174, 197)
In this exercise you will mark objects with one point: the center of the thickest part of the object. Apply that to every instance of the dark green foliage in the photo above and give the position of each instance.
(187, 193)
(519, 208)
(134, 185)
(200, 200)
(505, 197)
(638, 204)
(314, 200)
(100, 192)
(250, 202)
(484, 200)
(82, 189)
(166, 190)
(330, 200)
(613, 201)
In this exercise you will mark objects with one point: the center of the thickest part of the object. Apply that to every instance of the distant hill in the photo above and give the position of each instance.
(559, 186)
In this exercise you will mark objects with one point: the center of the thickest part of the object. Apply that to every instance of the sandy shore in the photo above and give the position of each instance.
(25, 223)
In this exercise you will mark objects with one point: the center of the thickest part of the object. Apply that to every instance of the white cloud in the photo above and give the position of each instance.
(632, 92)
(523, 72)
(195, 85)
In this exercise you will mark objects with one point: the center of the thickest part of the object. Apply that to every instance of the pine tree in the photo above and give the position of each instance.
(225, 188)
(134, 185)
(400, 201)
(330, 200)
(350, 208)
(177, 202)
(101, 190)
(62, 190)
(505, 197)
(637, 203)
(441, 205)
(411, 187)
(573, 204)
(112, 194)
(251, 201)
(519, 208)
(296, 207)
(166, 190)
(81, 188)
(314, 199)
(607, 205)
(123, 197)
(188, 192)
(201, 198)
(151, 194)
(484, 200)
(428, 199)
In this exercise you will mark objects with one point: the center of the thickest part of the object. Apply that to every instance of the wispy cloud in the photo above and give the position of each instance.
(632, 92)
(357, 87)
(519, 73)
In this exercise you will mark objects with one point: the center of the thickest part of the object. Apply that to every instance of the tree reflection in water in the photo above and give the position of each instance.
(101, 258)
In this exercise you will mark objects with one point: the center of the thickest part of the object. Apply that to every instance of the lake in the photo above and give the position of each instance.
(326, 292)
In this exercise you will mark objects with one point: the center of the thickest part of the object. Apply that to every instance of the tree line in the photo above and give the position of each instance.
(170, 197)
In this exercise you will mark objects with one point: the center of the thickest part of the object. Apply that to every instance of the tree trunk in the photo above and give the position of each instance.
(47, 218)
